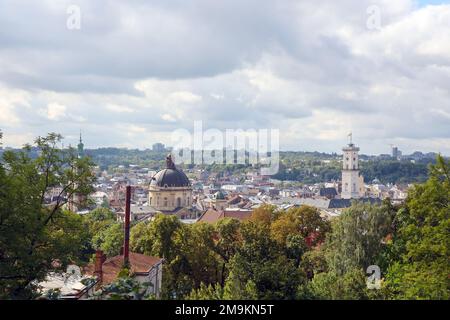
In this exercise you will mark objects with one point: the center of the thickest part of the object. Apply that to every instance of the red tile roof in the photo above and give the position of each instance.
(139, 263)
(212, 216)
(240, 215)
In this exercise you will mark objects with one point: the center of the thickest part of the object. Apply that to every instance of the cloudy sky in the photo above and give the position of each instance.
(137, 70)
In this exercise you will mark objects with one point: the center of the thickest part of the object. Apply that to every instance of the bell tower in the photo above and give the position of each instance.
(80, 148)
(352, 181)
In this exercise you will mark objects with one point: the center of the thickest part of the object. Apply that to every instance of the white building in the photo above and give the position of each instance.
(352, 181)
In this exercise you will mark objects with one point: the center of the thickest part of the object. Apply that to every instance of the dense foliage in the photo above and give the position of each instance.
(420, 249)
(34, 234)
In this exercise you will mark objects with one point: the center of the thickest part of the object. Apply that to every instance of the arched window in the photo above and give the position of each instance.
(165, 202)
(178, 202)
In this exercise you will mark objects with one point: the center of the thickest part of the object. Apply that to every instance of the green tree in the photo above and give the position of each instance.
(235, 289)
(358, 237)
(311, 224)
(204, 292)
(228, 241)
(261, 264)
(33, 232)
(100, 214)
(163, 230)
(265, 214)
(198, 248)
(110, 240)
(124, 288)
(420, 248)
(357, 240)
(141, 240)
(305, 221)
(332, 286)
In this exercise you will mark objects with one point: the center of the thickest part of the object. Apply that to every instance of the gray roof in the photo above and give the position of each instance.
(170, 178)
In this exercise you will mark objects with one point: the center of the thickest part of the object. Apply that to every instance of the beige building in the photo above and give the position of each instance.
(170, 189)
(352, 181)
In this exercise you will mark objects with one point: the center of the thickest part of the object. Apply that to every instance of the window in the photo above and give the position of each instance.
(178, 202)
(150, 201)
(165, 202)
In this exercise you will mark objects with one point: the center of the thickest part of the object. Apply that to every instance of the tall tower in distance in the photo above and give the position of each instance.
(78, 201)
(80, 148)
(352, 181)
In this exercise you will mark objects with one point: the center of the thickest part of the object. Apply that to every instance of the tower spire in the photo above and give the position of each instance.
(80, 147)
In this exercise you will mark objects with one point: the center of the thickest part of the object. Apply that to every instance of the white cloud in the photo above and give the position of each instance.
(54, 111)
(118, 108)
(311, 69)
(168, 117)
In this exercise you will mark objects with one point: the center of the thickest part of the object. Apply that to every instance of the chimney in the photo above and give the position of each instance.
(126, 244)
(99, 260)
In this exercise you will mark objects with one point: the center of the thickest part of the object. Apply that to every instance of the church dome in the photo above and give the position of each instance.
(170, 177)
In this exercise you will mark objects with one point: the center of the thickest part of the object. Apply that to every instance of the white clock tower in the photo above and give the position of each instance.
(352, 181)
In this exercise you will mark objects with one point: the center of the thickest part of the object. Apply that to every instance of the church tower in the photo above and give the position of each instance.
(218, 202)
(80, 148)
(352, 181)
(78, 201)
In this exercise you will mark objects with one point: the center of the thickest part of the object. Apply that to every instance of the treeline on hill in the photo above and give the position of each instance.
(386, 171)
(107, 158)
(292, 254)
(304, 167)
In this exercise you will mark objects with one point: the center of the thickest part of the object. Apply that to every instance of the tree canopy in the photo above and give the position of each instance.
(35, 233)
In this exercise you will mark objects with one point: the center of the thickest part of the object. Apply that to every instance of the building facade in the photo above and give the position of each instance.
(352, 181)
(170, 189)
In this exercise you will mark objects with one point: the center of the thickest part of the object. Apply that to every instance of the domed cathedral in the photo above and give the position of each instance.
(170, 190)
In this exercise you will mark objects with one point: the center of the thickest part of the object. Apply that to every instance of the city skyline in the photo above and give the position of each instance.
(72, 141)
